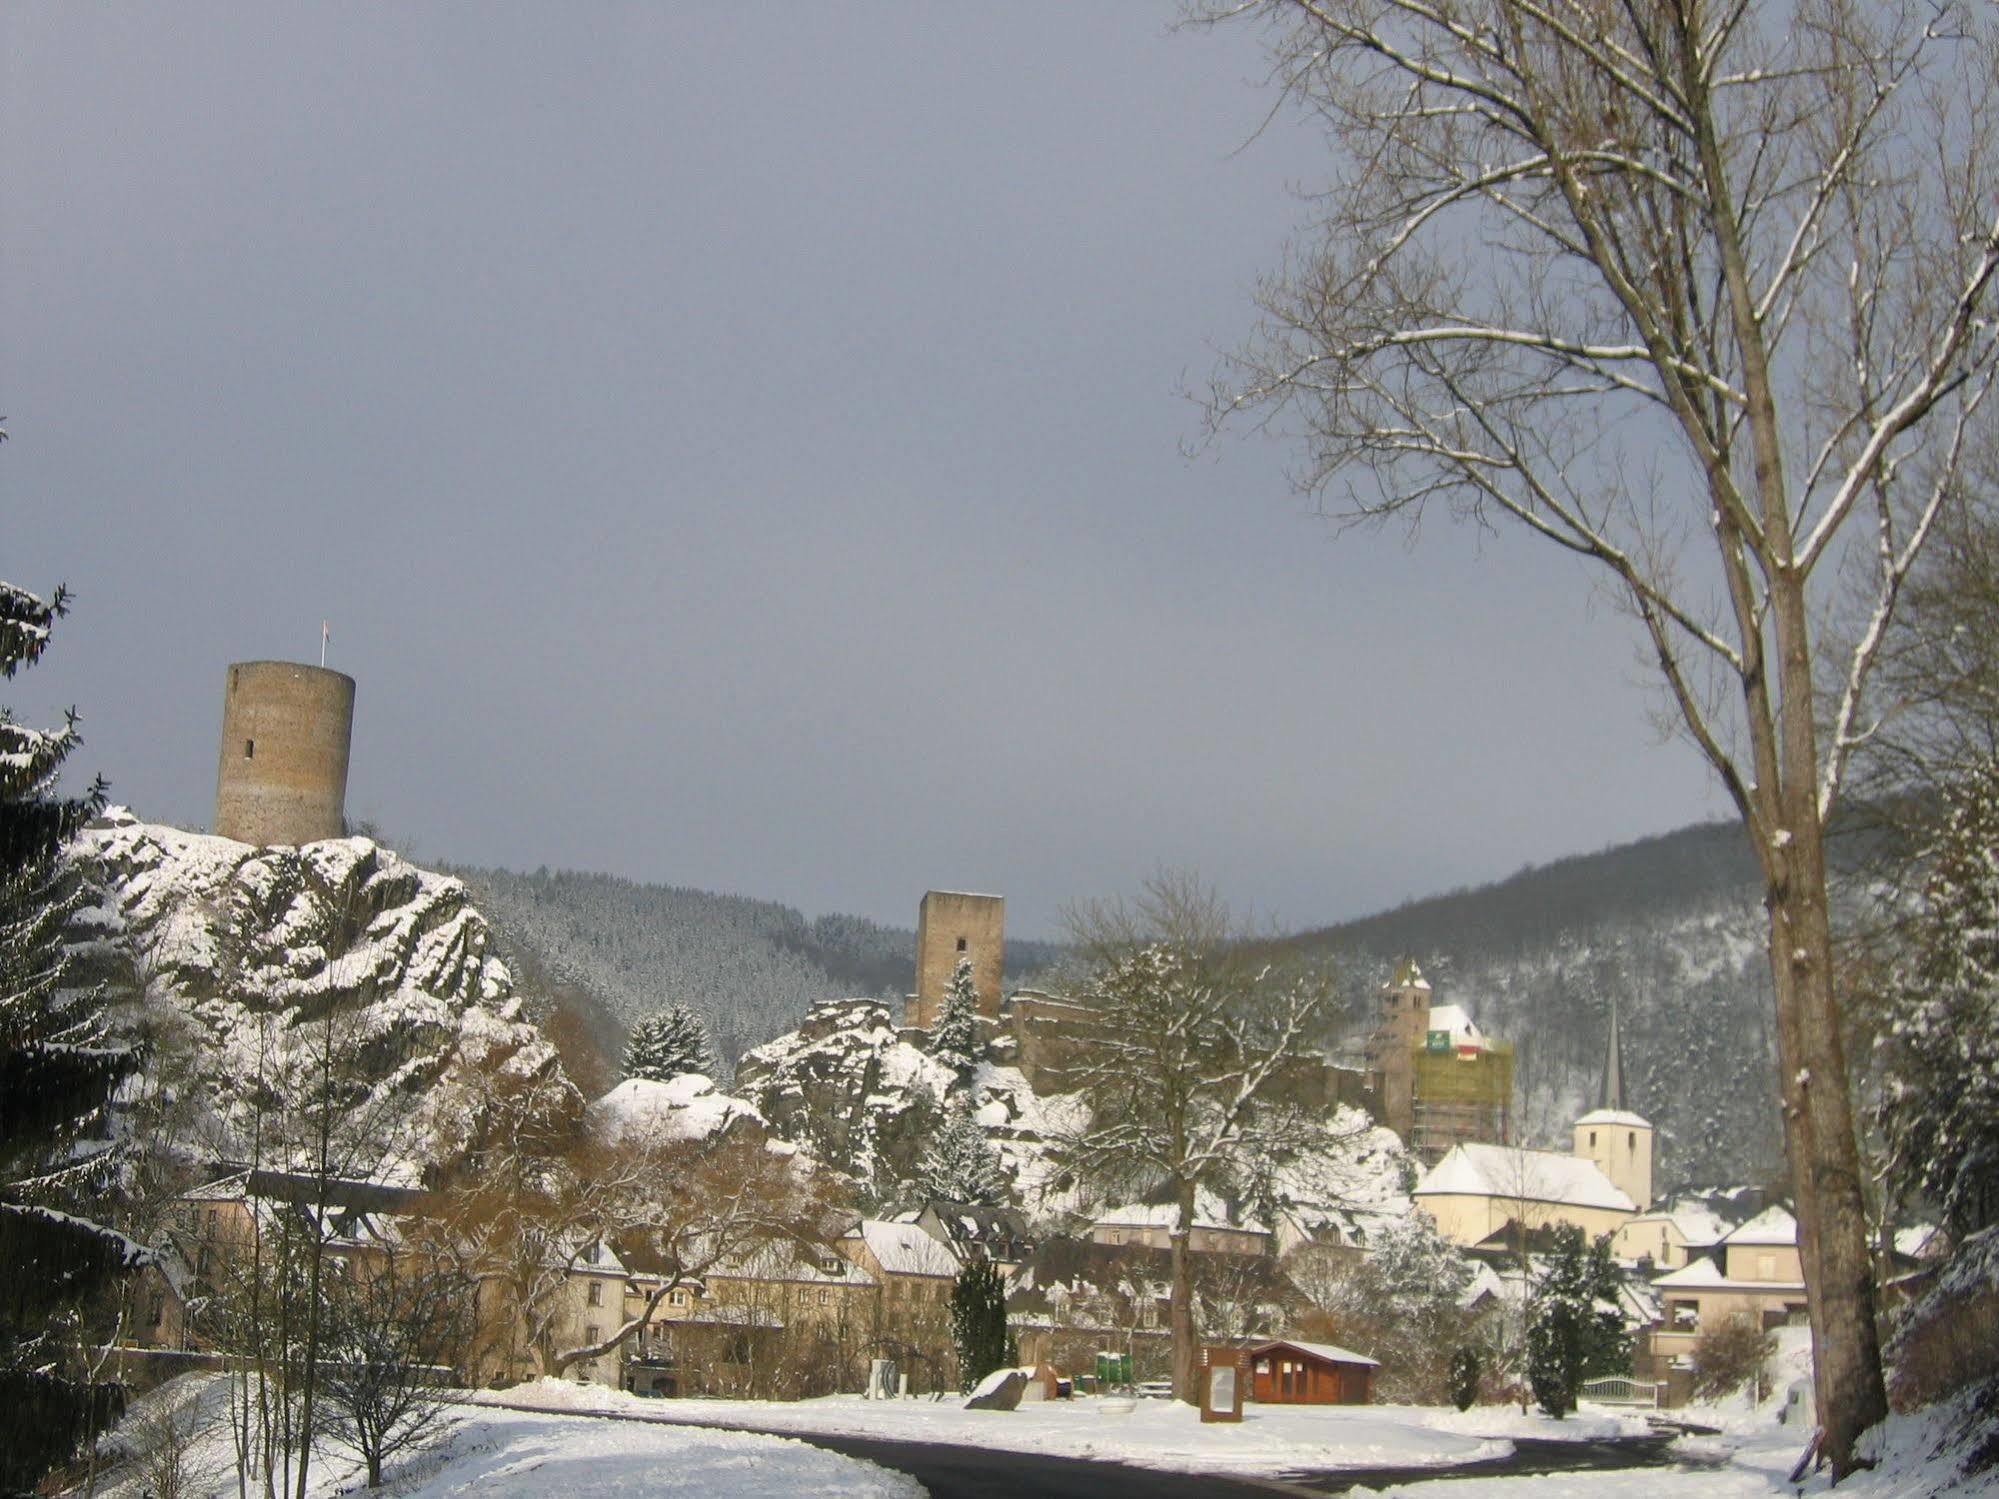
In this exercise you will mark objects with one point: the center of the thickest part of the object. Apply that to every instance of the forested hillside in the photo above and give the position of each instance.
(1671, 927)
(749, 968)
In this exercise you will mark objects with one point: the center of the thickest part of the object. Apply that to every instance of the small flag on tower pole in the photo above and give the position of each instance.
(322, 642)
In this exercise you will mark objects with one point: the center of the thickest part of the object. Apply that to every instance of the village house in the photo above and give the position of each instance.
(783, 1318)
(1755, 1271)
(973, 1231)
(1150, 1226)
(1074, 1297)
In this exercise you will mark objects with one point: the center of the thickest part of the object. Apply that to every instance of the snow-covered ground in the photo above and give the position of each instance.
(516, 1455)
(1271, 1439)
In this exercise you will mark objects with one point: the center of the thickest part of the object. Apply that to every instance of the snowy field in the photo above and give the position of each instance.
(1270, 1440)
(515, 1455)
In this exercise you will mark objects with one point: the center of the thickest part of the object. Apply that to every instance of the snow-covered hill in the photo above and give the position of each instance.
(253, 973)
(749, 968)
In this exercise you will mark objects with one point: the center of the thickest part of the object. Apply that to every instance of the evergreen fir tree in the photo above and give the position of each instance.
(961, 1166)
(1571, 1336)
(978, 1322)
(58, 1072)
(667, 1044)
(954, 1039)
(1940, 1107)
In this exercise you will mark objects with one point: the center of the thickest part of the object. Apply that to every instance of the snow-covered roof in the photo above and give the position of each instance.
(1698, 1224)
(1704, 1274)
(1914, 1241)
(1528, 1175)
(1774, 1225)
(1616, 1116)
(1407, 976)
(1209, 1212)
(905, 1249)
(1457, 1020)
(1319, 1350)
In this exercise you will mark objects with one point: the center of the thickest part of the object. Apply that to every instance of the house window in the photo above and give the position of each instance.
(249, 749)
(825, 1297)
(593, 1333)
(1592, 1139)
(596, 1297)
(676, 1298)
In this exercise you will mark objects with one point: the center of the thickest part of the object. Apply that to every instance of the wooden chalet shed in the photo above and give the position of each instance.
(1288, 1373)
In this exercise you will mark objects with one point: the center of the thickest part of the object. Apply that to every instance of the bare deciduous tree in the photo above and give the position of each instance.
(1187, 1077)
(1700, 291)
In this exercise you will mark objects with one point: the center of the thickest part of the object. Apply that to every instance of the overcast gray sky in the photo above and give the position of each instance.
(740, 446)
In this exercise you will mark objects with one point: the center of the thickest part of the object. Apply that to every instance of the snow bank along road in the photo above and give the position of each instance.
(1156, 1447)
(964, 1472)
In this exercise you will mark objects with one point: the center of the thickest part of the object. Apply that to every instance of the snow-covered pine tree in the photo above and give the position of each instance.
(58, 1072)
(1940, 1109)
(961, 1165)
(954, 1039)
(667, 1044)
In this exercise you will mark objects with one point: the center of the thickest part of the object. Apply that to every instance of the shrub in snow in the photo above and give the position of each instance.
(1730, 1354)
(1465, 1370)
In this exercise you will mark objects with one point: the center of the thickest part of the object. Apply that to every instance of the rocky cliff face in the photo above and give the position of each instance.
(850, 1090)
(267, 981)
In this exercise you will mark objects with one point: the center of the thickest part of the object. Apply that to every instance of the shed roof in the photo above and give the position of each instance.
(1331, 1353)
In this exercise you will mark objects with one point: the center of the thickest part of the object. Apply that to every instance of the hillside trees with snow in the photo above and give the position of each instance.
(1756, 244)
(960, 1165)
(59, 1071)
(1940, 1105)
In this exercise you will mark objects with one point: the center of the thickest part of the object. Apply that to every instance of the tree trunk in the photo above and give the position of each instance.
(1818, 1114)
(1181, 1306)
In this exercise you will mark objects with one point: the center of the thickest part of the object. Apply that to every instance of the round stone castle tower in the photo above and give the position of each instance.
(282, 776)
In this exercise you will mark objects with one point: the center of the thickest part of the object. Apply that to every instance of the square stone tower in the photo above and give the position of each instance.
(952, 924)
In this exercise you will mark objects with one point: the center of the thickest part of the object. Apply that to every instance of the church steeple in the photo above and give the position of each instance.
(1611, 1094)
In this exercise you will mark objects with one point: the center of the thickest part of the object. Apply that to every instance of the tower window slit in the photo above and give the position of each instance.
(249, 749)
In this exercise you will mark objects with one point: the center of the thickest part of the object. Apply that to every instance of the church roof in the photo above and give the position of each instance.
(1506, 1171)
(1408, 976)
(1610, 1092)
(1615, 1116)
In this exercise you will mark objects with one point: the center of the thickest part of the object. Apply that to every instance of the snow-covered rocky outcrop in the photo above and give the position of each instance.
(255, 972)
(850, 1090)
(865, 1096)
(688, 1107)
